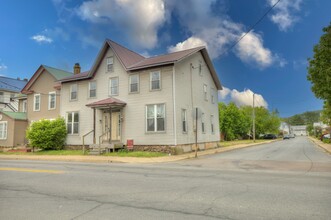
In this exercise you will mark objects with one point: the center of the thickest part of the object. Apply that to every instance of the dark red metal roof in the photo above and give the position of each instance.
(107, 102)
(76, 76)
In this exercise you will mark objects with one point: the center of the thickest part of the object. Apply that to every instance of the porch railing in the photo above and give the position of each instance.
(84, 140)
(107, 132)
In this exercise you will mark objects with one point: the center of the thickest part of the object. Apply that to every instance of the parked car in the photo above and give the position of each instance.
(286, 136)
(325, 136)
(269, 136)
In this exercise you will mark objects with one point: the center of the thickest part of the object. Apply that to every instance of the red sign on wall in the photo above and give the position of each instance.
(129, 144)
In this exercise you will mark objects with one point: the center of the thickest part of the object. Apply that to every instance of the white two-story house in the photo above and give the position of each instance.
(151, 101)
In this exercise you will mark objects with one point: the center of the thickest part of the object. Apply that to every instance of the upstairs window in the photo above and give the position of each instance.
(205, 91)
(113, 86)
(212, 95)
(24, 105)
(110, 64)
(184, 121)
(155, 116)
(36, 102)
(134, 83)
(92, 89)
(3, 130)
(73, 92)
(51, 100)
(72, 122)
(155, 80)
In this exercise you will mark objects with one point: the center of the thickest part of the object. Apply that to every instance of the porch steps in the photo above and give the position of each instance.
(104, 147)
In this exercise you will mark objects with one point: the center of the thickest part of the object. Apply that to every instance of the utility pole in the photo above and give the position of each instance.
(253, 117)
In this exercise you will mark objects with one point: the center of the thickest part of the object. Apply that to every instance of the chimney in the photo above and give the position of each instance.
(76, 68)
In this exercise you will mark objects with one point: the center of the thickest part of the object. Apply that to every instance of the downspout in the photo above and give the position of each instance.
(174, 103)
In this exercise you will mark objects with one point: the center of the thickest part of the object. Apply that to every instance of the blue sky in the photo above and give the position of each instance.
(270, 61)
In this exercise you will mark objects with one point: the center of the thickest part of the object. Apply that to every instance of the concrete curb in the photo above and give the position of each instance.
(109, 159)
(321, 144)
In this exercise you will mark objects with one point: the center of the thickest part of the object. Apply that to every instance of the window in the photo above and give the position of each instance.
(203, 122)
(3, 130)
(134, 83)
(212, 124)
(155, 79)
(24, 105)
(110, 64)
(2, 97)
(36, 103)
(113, 86)
(51, 100)
(72, 123)
(92, 89)
(212, 95)
(184, 121)
(155, 116)
(73, 92)
(200, 68)
(205, 91)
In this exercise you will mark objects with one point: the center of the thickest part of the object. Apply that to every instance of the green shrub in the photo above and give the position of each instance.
(47, 135)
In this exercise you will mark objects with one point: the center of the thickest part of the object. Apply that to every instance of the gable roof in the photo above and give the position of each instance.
(15, 115)
(107, 102)
(56, 73)
(132, 61)
(11, 84)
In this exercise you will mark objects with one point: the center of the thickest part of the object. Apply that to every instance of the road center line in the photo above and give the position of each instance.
(30, 170)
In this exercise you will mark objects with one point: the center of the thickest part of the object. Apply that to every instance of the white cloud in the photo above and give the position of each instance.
(3, 67)
(284, 12)
(139, 19)
(187, 44)
(243, 98)
(41, 39)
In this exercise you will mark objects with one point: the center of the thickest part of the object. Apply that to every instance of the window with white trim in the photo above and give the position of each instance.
(73, 92)
(205, 91)
(203, 123)
(200, 68)
(24, 105)
(113, 86)
(2, 97)
(155, 118)
(134, 83)
(72, 122)
(36, 102)
(51, 100)
(212, 124)
(92, 89)
(184, 120)
(212, 95)
(110, 64)
(3, 130)
(155, 80)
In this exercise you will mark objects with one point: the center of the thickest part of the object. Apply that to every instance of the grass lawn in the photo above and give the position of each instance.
(136, 154)
(48, 152)
(231, 143)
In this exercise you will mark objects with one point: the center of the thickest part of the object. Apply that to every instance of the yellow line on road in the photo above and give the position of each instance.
(30, 170)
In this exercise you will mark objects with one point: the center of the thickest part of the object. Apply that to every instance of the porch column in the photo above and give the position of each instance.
(110, 126)
(94, 116)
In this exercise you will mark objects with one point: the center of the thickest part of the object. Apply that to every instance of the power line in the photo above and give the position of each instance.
(252, 27)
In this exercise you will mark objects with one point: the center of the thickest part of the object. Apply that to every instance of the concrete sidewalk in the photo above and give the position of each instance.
(326, 147)
(111, 159)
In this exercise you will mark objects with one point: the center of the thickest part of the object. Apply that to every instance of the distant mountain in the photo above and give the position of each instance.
(304, 118)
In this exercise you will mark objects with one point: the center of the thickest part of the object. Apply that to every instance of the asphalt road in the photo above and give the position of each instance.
(288, 179)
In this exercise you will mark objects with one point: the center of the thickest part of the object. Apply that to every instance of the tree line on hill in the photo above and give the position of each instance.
(306, 118)
(236, 122)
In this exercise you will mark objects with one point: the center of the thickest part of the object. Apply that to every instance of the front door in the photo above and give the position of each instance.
(115, 126)
(106, 127)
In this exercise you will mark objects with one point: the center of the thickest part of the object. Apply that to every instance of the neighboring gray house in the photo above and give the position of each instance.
(151, 101)
(9, 90)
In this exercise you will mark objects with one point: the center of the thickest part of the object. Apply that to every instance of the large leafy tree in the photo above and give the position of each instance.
(319, 69)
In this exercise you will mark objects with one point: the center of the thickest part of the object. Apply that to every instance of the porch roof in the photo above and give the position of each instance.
(109, 102)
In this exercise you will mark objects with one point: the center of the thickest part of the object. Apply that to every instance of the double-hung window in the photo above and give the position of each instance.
(3, 130)
(212, 95)
(212, 124)
(203, 123)
(205, 91)
(155, 116)
(113, 86)
(24, 105)
(110, 64)
(73, 92)
(51, 100)
(134, 83)
(2, 97)
(92, 89)
(155, 80)
(36, 102)
(184, 121)
(72, 122)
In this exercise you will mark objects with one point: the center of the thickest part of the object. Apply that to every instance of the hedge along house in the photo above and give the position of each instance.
(149, 100)
(12, 129)
(43, 93)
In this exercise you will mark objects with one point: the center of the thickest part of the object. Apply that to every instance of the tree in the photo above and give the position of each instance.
(47, 135)
(319, 69)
